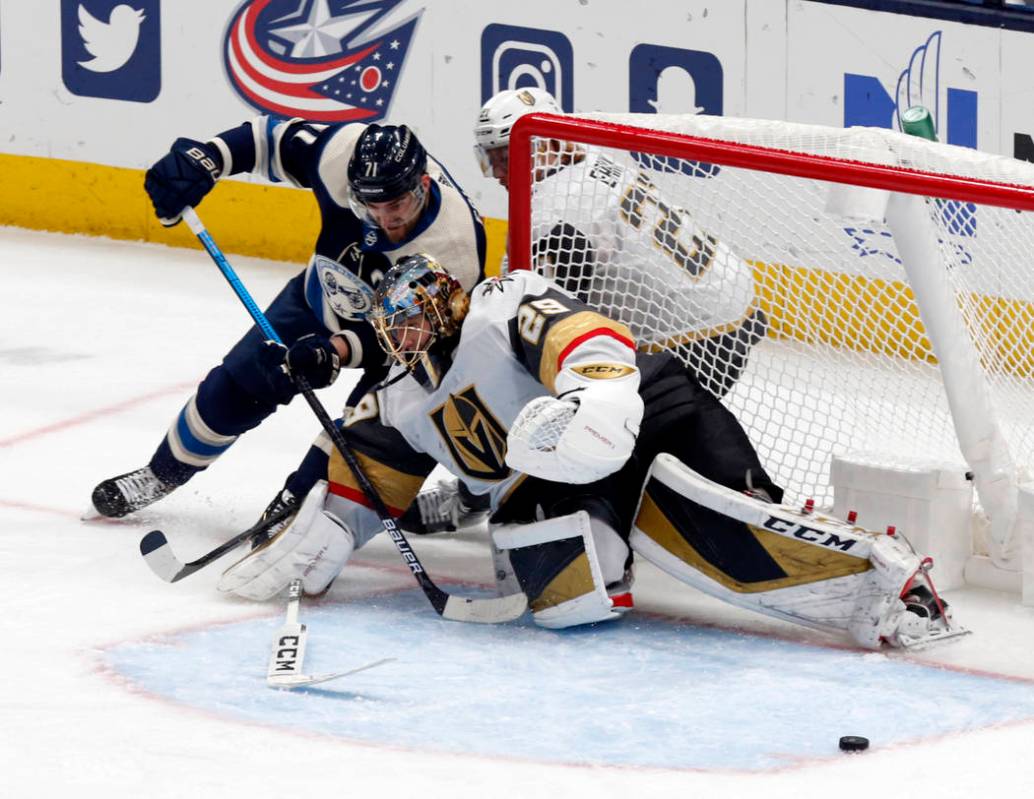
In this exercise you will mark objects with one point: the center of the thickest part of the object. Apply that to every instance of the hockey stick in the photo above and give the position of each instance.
(285, 661)
(159, 555)
(487, 610)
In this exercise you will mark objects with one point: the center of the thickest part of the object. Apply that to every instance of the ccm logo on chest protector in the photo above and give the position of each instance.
(805, 533)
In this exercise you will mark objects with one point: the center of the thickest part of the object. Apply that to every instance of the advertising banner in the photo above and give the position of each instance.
(112, 83)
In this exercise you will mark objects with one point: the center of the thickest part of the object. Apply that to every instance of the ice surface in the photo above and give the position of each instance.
(116, 684)
(601, 696)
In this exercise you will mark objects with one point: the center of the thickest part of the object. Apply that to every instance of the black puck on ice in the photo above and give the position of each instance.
(854, 743)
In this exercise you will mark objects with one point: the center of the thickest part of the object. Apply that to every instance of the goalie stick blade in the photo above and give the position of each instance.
(289, 681)
(485, 611)
(158, 554)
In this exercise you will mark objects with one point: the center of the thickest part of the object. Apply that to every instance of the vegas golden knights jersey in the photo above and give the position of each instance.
(520, 332)
(607, 233)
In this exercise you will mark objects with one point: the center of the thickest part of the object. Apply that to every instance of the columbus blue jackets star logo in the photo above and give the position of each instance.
(325, 60)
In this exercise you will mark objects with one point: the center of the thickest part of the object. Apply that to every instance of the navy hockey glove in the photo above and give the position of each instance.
(182, 178)
(271, 361)
(314, 358)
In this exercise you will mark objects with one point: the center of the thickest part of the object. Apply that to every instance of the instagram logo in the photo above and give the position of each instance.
(518, 58)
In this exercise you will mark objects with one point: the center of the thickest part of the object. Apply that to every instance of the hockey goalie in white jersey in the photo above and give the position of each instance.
(590, 454)
(605, 230)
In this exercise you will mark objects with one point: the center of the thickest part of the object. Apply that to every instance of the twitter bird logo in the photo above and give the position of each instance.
(112, 49)
(111, 43)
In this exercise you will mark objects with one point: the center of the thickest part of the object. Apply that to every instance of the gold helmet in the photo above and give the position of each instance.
(416, 305)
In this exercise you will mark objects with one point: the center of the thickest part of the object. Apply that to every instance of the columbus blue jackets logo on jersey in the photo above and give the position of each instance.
(346, 286)
(348, 295)
(475, 438)
(327, 60)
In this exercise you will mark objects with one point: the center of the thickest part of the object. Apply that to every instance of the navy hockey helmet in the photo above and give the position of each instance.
(417, 304)
(388, 161)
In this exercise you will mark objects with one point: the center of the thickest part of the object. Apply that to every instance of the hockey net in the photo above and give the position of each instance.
(705, 233)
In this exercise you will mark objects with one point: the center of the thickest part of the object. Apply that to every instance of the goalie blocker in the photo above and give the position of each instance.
(803, 567)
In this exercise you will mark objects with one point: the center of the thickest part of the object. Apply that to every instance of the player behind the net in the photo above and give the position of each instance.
(380, 197)
(546, 408)
(604, 230)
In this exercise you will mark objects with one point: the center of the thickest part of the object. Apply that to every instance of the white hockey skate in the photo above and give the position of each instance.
(445, 507)
(918, 618)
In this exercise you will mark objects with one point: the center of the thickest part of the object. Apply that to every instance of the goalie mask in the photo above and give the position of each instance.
(417, 307)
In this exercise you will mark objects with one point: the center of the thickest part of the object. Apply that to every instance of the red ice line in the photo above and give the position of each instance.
(90, 416)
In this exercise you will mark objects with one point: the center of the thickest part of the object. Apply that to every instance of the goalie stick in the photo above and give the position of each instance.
(285, 661)
(488, 610)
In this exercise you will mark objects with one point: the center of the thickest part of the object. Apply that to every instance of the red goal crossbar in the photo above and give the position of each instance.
(746, 156)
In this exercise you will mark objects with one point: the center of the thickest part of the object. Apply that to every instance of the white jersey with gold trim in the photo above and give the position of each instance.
(606, 232)
(516, 335)
(519, 335)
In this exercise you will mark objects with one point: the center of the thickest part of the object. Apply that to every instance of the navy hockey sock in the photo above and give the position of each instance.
(312, 468)
(168, 469)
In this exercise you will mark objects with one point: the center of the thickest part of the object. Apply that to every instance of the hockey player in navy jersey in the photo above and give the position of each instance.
(589, 453)
(381, 197)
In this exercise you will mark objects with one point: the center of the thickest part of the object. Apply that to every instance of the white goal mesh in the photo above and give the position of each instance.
(714, 261)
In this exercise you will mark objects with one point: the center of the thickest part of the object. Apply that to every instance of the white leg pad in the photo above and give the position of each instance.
(866, 604)
(586, 609)
(314, 547)
(594, 605)
(506, 582)
(879, 612)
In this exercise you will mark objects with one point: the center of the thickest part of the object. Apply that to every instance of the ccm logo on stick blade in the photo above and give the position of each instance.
(810, 534)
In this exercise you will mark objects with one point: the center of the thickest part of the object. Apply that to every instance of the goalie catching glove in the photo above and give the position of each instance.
(585, 433)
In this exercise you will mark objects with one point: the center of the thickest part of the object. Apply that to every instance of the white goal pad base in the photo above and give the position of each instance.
(929, 502)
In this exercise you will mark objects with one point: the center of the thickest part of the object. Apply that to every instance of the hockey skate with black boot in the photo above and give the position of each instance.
(127, 493)
(283, 500)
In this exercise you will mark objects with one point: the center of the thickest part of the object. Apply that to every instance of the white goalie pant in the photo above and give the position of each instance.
(822, 573)
(315, 547)
(578, 595)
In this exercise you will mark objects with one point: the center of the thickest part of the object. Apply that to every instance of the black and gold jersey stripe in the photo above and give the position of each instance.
(396, 470)
(550, 326)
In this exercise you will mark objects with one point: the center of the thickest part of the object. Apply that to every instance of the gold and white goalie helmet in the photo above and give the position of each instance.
(497, 116)
(416, 305)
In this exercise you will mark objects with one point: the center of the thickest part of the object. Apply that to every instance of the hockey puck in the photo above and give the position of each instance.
(854, 743)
